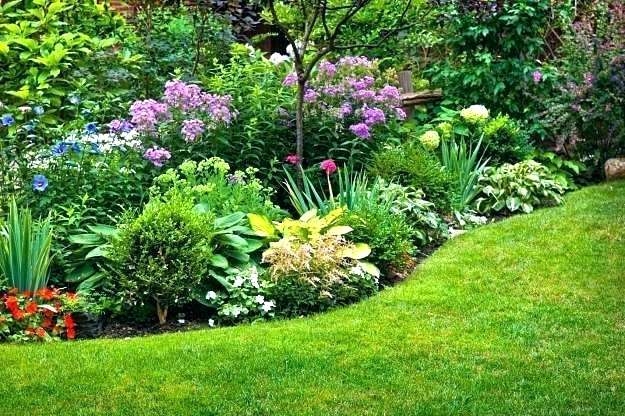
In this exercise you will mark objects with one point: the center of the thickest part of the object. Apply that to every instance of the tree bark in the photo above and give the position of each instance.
(161, 311)
(299, 120)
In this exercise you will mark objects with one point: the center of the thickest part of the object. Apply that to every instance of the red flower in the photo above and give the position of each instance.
(40, 332)
(28, 294)
(12, 303)
(47, 322)
(71, 295)
(46, 293)
(31, 307)
(70, 326)
(18, 314)
(328, 166)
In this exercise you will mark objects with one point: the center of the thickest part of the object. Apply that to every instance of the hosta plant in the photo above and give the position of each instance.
(520, 187)
(312, 265)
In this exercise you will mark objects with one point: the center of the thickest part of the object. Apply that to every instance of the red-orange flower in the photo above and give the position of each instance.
(13, 292)
(11, 303)
(71, 295)
(46, 293)
(70, 326)
(28, 294)
(31, 307)
(18, 314)
(41, 333)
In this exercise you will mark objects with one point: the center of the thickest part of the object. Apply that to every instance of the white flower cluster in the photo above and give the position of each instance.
(107, 142)
(474, 114)
(430, 139)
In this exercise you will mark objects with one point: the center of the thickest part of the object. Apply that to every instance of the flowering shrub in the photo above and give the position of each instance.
(177, 126)
(353, 99)
(42, 316)
(211, 184)
(244, 299)
(503, 138)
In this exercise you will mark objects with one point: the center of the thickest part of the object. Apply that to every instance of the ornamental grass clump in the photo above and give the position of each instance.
(25, 250)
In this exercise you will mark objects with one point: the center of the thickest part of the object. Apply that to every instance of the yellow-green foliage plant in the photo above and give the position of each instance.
(312, 265)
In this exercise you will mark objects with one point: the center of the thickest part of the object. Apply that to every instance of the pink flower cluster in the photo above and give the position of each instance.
(146, 114)
(158, 156)
(351, 90)
(192, 129)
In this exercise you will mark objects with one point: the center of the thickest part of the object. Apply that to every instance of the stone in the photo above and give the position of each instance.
(615, 168)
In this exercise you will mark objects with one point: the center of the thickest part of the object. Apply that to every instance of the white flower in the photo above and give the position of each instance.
(289, 49)
(356, 271)
(254, 277)
(259, 299)
(430, 139)
(474, 114)
(211, 323)
(181, 321)
(238, 282)
(278, 59)
(236, 311)
(267, 306)
(211, 295)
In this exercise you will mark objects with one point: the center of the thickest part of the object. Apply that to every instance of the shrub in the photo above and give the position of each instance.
(412, 165)
(41, 316)
(43, 64)
(520, 187)
(386, 231)
(210, 184)
(163, 254)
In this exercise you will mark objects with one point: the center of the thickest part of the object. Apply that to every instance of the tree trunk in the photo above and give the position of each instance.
(299, 120)
(161, 311)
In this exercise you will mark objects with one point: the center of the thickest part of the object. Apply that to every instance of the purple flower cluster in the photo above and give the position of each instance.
(351, 90)
(120, 126)
(146, 114)
(190, 98)
(157, 156)
(192, 129)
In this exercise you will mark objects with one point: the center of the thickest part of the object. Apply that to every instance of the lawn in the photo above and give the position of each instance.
(526, 316)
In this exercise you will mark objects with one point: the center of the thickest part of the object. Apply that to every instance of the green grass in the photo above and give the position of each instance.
(524, 317)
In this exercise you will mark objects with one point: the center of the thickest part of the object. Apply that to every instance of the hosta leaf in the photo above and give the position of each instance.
(370, 268)
(339, 230)
(229, 220)
(219, 261)
(357, 251)
(513, 203)
(262, 225)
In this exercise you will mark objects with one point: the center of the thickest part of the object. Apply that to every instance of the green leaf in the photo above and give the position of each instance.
(339, 230)
(370, 268)
(229, 220)
(219, 261)
(513, 203)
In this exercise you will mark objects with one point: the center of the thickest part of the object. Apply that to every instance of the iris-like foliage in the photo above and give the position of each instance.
(25, 250)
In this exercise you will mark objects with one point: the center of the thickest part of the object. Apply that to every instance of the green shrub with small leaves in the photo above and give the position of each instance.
(164, 254)
(413, 165)
(520, 187)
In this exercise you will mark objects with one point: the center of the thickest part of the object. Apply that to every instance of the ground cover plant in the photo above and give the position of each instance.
(500, 320)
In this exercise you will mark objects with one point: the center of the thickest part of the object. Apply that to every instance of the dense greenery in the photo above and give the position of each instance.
(476, 330)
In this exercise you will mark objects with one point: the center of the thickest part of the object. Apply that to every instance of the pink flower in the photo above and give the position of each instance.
(537, 76)
(328, 166)
(361, 130)
(290, 80)
(310, 96)
(293, 159)
(158, 156)
(192, 129)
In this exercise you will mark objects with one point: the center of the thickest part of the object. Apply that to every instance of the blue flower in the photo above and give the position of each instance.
(91, 128)
(75, 147)
(38, 110)
(60, 149)
(7, 120)
(40, 183)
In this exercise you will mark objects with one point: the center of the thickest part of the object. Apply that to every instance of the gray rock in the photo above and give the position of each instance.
(615, 168)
